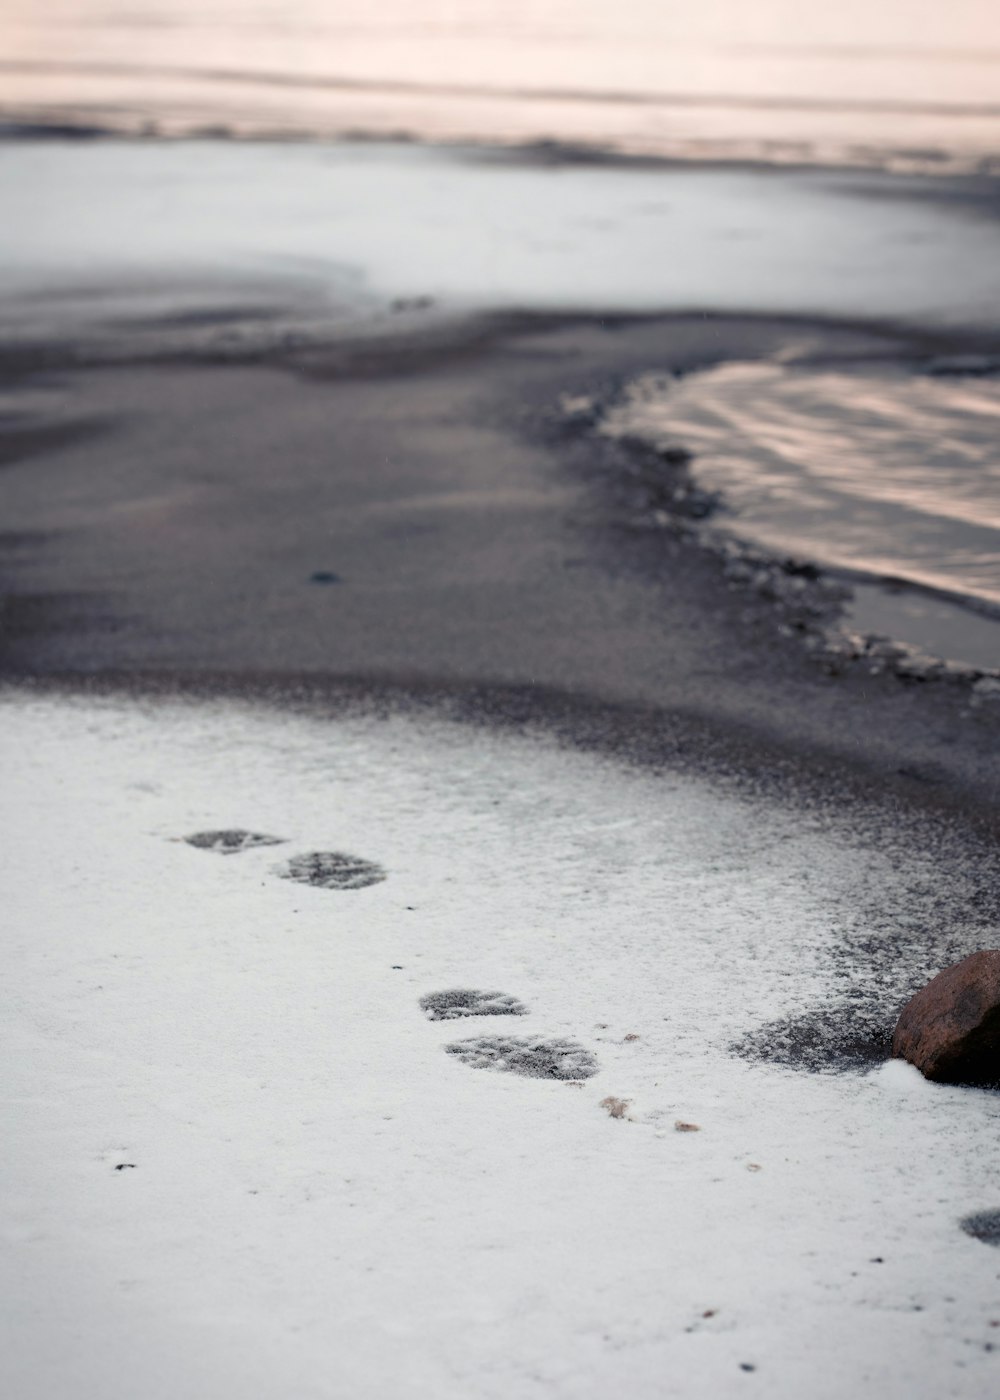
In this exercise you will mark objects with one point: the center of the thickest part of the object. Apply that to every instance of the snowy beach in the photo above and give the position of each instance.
(499, 698)
(241, 1161)
(710, 849)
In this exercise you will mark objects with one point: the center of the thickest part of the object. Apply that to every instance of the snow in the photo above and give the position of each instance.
(240, 1162)
(232, 240)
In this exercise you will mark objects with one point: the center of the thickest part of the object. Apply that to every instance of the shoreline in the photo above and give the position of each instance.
(82, 126)
(740, 757)
(587, 579)
(501, 544)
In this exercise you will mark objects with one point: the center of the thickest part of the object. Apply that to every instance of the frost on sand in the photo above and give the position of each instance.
(241, 1162)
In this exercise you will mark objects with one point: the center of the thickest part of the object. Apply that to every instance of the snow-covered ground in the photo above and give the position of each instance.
(178, 244)
(240, 1163)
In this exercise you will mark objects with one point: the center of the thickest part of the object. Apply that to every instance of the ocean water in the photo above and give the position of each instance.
(901, 82)
(892, 478)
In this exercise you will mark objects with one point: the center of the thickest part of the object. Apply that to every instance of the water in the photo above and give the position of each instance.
(891, 82)
(889, 475)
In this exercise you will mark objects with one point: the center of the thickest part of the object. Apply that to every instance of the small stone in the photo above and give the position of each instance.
(951, 1029)
(987, 688)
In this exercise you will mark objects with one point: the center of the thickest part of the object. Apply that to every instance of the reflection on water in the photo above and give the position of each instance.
(776, 78)
(892, 475)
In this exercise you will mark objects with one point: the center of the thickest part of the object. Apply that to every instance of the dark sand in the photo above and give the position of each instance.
(418, 522)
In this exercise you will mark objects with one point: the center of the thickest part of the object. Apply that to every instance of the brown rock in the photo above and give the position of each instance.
(951, 1029)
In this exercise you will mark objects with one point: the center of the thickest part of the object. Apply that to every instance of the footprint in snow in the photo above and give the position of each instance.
(231, 842)
(983, 1226)
(462, 1001)
(332, 870)
(534, 1056)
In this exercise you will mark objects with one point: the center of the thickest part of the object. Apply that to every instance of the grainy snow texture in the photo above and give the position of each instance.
(240, 1162)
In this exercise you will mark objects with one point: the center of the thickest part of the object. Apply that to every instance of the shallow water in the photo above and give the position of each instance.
(888, 474)
(896, 81)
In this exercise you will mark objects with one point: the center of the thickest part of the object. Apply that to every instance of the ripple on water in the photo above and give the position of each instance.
(890, 474)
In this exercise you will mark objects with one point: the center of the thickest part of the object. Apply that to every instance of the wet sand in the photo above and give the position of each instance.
(421, 521)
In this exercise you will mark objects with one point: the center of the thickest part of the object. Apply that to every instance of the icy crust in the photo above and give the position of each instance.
(240, 1161)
